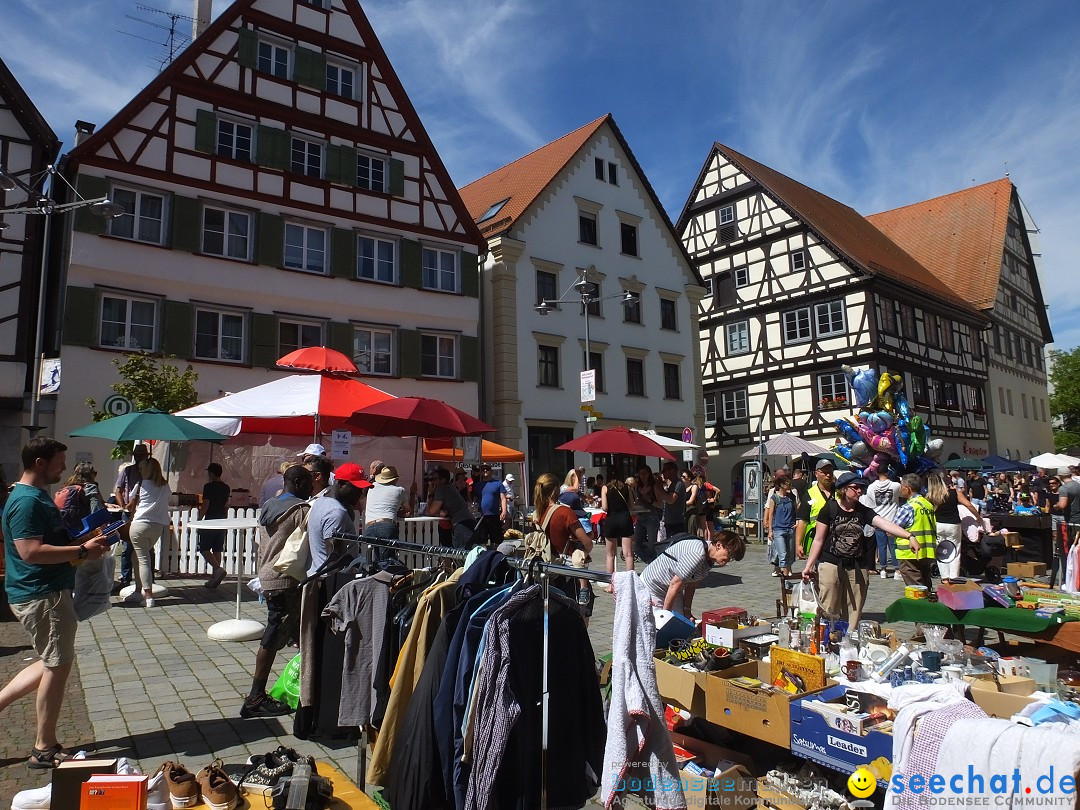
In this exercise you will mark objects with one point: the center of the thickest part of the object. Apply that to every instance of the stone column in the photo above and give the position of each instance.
(506, 411)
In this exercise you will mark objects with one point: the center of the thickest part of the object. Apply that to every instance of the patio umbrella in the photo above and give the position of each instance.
(1001, 464)
(444, 450)
(965, 464)
(666, 442)
(786, 444)
(617, 440)
(1052, 460)
(415, 416)
(319, 358)
(150, 424)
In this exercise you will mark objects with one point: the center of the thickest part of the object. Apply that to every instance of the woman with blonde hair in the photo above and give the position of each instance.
(946, 500)
(150, 516)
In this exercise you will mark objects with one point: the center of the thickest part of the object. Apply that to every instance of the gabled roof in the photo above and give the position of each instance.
(845, 230)
(27, 114)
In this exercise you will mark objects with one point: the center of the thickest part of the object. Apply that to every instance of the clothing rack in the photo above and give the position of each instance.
(545, 570)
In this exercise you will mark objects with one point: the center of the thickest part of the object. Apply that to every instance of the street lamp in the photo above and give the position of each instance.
(38, 202)
(587, 294)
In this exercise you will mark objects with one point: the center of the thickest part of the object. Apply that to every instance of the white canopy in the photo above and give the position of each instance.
(1051, 461)
(665, 442)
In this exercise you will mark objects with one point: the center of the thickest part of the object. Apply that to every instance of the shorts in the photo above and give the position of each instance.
(211, 541)
(282, 619)
(51, 623)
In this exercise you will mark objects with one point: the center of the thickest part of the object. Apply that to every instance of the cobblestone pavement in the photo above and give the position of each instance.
(151, 686)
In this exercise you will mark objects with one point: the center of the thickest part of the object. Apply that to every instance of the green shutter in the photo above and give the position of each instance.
(470, 275)
(409, 353)
(247, 50)
(205, 131)
(470, 358)
(90, 188)
(340, 337)
(412, 257)
(272, 149)
(178, 329)
(310, 68)
(341, 165)
(343, 253)
(81, 316)
(397, 178)
(264, 340)
(270, 240)
(185, 224)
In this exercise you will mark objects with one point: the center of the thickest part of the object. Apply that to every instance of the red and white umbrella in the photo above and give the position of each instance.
(319, 358)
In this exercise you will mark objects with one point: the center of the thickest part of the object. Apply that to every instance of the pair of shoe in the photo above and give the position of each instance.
(268, 769)
(175, 785)
(263, 706)
(41, 798)
(216, 578)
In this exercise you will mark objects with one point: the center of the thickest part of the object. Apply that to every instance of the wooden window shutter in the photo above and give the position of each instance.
(397, 178)
(270, 240)
(469, 360)
(409, 352)
(264, 340)
(81, 313)
(185, 225)
(340, 337)
(91, 188)
(412, 257)
(247, 50)
(341, 165)
(310, 68)
(470, 275)
(343, 253)
(205, 131)
(178, 329)
(272, 149)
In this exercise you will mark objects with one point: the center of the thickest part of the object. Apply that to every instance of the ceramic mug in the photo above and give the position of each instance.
(931, 659)
(952, 672)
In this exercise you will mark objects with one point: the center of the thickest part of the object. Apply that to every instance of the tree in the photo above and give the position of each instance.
(149, 381)
(1065, 401)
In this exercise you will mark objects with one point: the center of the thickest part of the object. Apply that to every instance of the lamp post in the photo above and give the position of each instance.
(40, 203)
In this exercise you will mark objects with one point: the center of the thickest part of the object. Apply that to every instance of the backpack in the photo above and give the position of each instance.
(73, 506)
(537, 542)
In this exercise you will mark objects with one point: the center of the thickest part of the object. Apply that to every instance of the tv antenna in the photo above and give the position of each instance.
(175, 41)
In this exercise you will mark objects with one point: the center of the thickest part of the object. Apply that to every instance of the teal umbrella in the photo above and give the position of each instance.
(151, 425)
(965, 464)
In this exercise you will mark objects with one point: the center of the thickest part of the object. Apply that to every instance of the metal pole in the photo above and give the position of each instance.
(585, 306)
(39, 328)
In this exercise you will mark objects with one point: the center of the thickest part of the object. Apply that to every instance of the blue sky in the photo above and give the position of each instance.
(877, 104)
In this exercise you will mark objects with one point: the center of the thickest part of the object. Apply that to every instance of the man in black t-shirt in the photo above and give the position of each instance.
(215, 505)
(845, 529)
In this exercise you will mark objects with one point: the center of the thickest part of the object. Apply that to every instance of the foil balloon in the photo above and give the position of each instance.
(901, 404)
(879, 462)
(863, 382)
(860, 452)
(879, 421)
(842, 450)
(934, 448)
(887, 385)
(846, 430)
(877, 441)
(917, 444)
(900, 442)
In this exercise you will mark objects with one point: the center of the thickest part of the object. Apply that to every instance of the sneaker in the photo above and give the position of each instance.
(149, 602)
(584, 596)
(883, 574)
(218, 790)
(181, 783)
(268, 769)
(216, 579)
(896, 575)
(34, 799)
(264, 706)
(157, 793)
(775, 573)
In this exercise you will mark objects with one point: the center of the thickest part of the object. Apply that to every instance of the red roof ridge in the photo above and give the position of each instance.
(942, 197)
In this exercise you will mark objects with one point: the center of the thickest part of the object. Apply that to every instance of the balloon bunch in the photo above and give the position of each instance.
(884, 432)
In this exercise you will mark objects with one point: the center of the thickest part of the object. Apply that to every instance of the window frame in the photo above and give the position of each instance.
(548, 366)
(128, 301)
(440, 337)
(677, 380)
(887, 310)
(369, 184)
(308, 228)
(729, 210)
(920, 383)
(228, 213)
(546, 275)
(598, 168)
(671, 306)
(596, 363)
(909, 327)
(741, 329)
(313, 164)
(300, 324)
(372, 330)
(232, 152)
(585, 217)
(835, 382)
(796, 313)
(945, 335)
(818, 307)
(137, 217)
(377, 240)
(709, 408)
(631, 377)
(438, 269)
(801, 255)
(221, 313)
(738, 399)
(628, 229)
(632, 309)
(341, 66)
(273, 60)
(741, 276)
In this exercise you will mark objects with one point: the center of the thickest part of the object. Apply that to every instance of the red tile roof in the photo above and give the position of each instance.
(960, 237)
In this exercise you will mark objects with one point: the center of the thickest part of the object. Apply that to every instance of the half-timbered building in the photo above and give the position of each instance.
(27, 147)
(800, 285)
(582, 203)
(279, 191)
(979, 241)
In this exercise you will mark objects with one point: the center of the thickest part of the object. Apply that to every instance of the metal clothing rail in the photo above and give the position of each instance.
(546, 570)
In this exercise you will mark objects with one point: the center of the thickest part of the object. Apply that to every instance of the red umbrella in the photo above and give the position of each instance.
(617, 440)
(319, 358)
(416, 416)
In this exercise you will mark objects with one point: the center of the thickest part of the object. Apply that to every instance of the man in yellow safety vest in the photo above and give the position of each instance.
(816, 497)
(916, 558)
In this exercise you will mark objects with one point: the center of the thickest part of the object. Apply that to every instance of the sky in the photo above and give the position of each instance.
(877, 104)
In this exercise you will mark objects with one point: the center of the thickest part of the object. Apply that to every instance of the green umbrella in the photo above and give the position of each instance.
(964, 464)
(151, 424)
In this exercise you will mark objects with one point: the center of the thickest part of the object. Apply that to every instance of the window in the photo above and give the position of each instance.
(440, 270)
(493, 210)
(632, 310)
(742, 276)
(668, 319)
(930, 325)
(635, 377)
(594, 300)
(920, 395)
(373, 350)
(293, 335)
(128, 323)
(887, 316)
(219, 335)
(907, 321)
(1001, 399)
(797, 325)
(671, 381)
(305, 248)
(613, 174)
(1008, 399)
(340, 80)
(946, 334)
(629, 238)
(547, 372)
(315, 3)
(376, 259)
(830, 318)
(798, 261)
(738, 337)
(371, 173)
(234, 140)
(727, 214)
(596, 363)
(978, 404)
(142, 218)
(598, 166)
(586, 227)
(306, 157)
(274, 59)
(1042, 408)
(997, 338)
(728, 230)
(226, 233)
(546, 288)
(438, 356)
(1029, 353)
(710, 409)
(832, 387)
(733, 405)
(1023, 403)
(946, 395)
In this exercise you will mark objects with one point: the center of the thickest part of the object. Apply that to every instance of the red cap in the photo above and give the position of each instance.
(353, 473)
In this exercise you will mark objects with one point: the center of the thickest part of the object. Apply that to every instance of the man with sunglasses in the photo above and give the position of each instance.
(842, 537)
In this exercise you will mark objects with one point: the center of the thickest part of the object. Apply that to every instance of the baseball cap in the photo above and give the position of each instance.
(823, 463)
(510, 477)
(213, 467)
(313, 450)
(353, 473)
(850, 478)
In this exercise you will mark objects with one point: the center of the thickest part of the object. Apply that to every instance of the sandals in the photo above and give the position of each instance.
(47, 759)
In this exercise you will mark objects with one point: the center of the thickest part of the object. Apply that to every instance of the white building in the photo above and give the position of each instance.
(280, 192)
(582, 203)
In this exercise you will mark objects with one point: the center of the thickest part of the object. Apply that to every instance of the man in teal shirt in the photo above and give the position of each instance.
(39, 580)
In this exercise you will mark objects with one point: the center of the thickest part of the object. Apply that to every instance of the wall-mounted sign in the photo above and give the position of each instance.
(117, 405)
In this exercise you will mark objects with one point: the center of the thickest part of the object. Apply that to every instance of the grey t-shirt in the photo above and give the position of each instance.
(456, 507)
(686, 559)
(676, 512)
(1071, 490)
(326, 517)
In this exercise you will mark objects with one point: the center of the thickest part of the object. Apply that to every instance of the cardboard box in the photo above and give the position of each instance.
(1026, 569)
(681, 687)
(812, 738)
(1002, 705)
(965, 596)
(734, 787)
(728, 633)
(1007, 684)
(114, 792)
(771, 797)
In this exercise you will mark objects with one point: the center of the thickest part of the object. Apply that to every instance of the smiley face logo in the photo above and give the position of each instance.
(862, 783)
